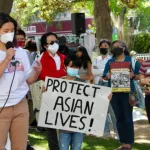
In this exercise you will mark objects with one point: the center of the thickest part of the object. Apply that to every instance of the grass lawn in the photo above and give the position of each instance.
(39, 141)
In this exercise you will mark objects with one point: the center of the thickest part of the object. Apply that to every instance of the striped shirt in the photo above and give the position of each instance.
(145, 70)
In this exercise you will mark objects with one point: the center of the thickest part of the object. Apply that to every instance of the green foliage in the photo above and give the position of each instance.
(144, 17)
(115, 6)
(141, 43)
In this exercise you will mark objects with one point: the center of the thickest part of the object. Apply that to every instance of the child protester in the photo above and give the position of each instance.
(67, 138)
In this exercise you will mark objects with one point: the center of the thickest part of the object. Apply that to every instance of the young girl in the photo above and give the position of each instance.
(14, 115)
(85, 72)
(67, 138)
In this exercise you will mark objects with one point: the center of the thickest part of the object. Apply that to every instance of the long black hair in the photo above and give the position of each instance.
(31, 46)
(85, 58)
(123, 44)
(5, 18)
(44, 40)
(76, 61)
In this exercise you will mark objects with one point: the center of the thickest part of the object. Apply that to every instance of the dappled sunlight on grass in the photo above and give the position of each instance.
(36, 136)
(39, 142)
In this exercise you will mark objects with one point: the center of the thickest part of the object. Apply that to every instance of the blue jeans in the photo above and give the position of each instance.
(123, 113)
(112, 115)
(70, 138)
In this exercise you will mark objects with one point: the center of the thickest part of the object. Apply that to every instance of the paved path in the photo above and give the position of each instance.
(142, 131)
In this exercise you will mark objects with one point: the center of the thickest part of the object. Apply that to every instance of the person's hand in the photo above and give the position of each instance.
(43, 89)
(145, 81)
(110, 96)
(131, 75)
(101, 79)
(108, 75)
(92, 77)
(95, 67)
(38, 67)
(10, 53)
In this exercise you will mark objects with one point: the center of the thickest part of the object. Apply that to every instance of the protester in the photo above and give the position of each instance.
(97, 70)
(85, 71)
(63, 49)
(67, 138)
(145, 81)
(52, 66)
(28, 45)
(21, 38)
(120, 100)
(31, 46)
(14, 115)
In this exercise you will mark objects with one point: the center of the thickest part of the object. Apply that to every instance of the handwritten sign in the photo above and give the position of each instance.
(74, 106)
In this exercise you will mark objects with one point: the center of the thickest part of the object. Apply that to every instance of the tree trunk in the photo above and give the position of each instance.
(102, 20)
(121, 24)
(6, 6)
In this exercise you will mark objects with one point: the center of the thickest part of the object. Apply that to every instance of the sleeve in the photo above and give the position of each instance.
(106, 69)
(142, 69)
(27, 65)
(97, 71)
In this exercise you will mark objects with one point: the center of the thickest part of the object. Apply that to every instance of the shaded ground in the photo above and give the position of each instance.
(142, 131)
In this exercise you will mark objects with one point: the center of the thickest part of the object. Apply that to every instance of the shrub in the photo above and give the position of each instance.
(141, 43)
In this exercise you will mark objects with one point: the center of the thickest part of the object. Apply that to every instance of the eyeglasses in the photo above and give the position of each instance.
(52, 42)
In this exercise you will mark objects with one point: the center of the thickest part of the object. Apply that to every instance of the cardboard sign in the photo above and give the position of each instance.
(120, 76)
(74, 106)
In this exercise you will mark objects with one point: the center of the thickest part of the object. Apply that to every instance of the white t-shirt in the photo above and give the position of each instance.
(19, 87)
(100, 64)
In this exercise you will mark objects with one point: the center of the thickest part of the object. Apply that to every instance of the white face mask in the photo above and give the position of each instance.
(7, 37)
(53, 48)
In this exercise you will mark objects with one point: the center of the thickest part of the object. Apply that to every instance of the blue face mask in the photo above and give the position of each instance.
(72, 71)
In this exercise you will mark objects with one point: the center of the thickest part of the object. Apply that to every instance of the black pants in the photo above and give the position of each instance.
(52, 139)
(123, 113)
(147, 106)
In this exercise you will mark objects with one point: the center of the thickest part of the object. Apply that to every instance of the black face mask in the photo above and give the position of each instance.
(103, 51)
(117, 51)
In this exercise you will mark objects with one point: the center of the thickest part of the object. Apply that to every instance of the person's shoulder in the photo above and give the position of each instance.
(111, 59)
(145, 62)
(61, 55)
(2, 52)
(21, 50)
(128, 57)
(99, 57)
(109, 56)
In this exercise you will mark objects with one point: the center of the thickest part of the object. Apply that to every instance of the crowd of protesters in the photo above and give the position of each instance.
(55, 60)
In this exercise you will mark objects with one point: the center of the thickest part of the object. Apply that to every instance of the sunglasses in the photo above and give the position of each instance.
(52, 42)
